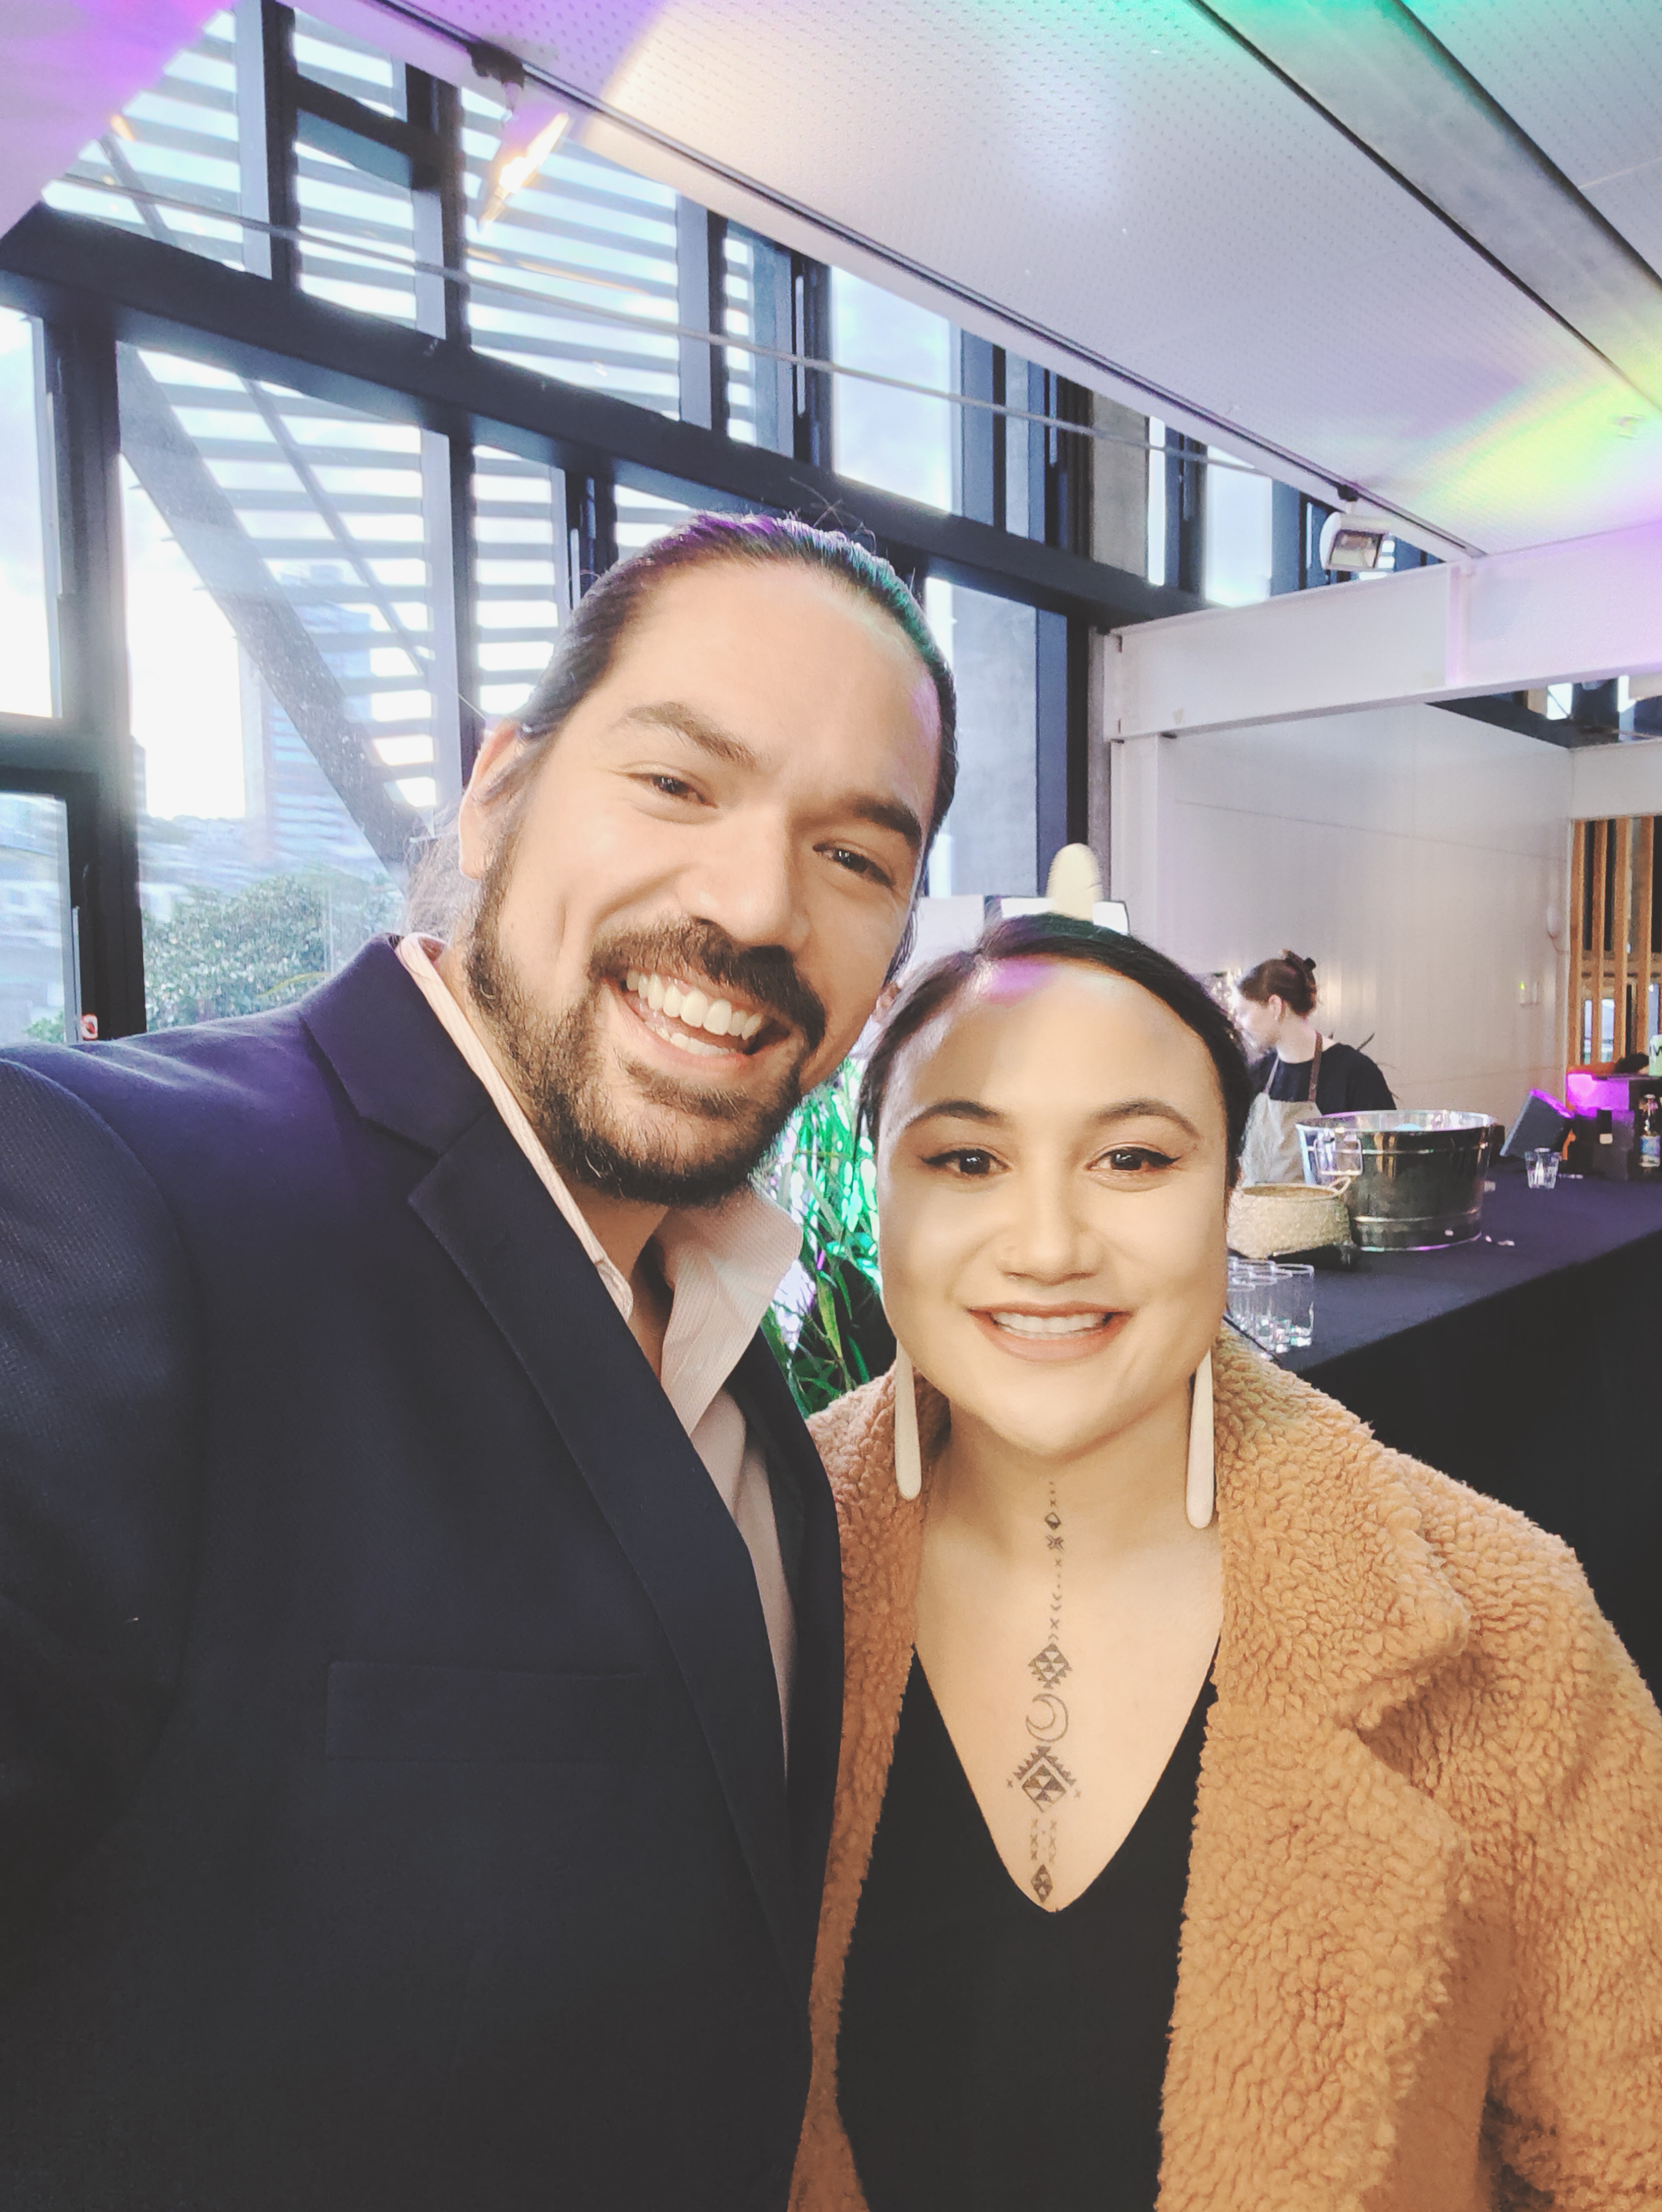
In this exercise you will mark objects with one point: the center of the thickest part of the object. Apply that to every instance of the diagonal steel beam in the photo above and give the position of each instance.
(166, 461)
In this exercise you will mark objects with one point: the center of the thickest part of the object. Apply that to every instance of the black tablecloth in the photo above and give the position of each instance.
(1527, 1363)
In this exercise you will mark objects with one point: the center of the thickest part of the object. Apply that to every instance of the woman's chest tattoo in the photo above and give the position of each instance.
(1042, 1774)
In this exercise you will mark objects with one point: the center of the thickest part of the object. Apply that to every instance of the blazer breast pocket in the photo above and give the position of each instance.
(481, 1713)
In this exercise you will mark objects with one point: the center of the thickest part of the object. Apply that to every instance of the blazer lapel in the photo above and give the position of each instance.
(1324, 1927)
(483, 1202)
(816, 1588)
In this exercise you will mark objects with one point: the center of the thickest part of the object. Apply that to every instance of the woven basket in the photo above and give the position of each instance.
(1267, 1217)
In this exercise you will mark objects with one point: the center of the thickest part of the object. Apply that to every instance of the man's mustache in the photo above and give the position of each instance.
(764, 974)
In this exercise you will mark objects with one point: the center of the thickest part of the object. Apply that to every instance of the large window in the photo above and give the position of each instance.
(37, 970)
(899, 440)
(577, 277)
(1239, 542)
(356, 228)
(285, 669)
(25, 649)
(336, 575)
(988, 843)
(522, 584)
(169, 165)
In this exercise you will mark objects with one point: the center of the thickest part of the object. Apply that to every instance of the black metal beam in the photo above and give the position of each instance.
(163, 296)
(1506, 711)
(80, 371)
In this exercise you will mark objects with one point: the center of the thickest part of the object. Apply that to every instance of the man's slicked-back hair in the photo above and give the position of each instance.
(612, 604)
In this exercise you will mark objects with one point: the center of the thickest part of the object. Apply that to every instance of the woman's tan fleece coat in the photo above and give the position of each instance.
(1422, 1956)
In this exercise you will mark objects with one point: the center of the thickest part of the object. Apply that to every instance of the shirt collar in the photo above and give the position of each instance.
(723, 1263)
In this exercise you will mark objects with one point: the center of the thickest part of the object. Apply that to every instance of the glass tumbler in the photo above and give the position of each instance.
(1294, 1291)
(1541, 1168)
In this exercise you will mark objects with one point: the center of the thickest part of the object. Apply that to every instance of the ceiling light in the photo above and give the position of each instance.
(533, 127)
(1354, 544)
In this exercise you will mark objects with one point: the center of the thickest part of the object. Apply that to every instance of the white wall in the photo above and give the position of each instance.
(1412, 853)
(1607, 781)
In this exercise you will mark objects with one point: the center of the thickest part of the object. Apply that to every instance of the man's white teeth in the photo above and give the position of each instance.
(1028, 1324)
(684, 1002)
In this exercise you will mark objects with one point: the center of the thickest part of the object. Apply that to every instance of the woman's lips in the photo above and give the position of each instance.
(1051, 1335)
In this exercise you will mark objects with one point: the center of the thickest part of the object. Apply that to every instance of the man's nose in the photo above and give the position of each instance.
(748, 882)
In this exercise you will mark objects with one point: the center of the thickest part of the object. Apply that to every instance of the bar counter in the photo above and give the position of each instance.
(1529, 1365)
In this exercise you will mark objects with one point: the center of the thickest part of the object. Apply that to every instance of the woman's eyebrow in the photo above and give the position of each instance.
(1131, 1109)
(1128, 1109)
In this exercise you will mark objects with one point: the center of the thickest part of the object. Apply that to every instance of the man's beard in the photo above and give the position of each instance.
(579, 1110)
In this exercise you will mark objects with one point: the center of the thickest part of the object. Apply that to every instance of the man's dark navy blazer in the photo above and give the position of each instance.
(392, 1808)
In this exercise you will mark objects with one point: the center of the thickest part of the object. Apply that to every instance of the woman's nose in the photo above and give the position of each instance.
(1051, 1238)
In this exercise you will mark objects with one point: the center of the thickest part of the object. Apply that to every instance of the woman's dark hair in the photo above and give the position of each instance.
(607, 612)
(1292, 979)
(1057, 936)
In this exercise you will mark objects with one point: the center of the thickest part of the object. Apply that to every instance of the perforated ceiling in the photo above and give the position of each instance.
(1122, 187)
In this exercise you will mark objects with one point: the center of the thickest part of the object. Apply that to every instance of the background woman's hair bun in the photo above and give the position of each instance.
(1298, 960)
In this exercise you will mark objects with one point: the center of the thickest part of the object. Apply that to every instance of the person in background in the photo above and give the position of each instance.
(1275, 1009)
(1298, 1073)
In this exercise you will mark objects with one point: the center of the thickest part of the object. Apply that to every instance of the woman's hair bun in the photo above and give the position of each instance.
(1298, 960)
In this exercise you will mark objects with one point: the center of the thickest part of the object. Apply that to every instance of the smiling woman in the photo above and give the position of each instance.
(1196, 1832)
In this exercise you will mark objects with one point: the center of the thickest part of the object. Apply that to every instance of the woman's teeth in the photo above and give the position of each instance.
(683, 1002)
(1029, 1324)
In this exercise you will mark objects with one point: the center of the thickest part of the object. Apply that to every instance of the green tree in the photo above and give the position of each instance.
(241, 953)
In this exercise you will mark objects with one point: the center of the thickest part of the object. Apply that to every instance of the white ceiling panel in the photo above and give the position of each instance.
(1584, 79)
(1129, 181)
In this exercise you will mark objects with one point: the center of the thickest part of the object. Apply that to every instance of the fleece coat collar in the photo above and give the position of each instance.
(1343, 1977)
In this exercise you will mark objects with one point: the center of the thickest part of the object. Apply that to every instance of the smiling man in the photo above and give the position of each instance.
(420, 1636)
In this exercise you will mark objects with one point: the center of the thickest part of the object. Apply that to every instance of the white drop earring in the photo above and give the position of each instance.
(908, 1452)
(1200, 1485)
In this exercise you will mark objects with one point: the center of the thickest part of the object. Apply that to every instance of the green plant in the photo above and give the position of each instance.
(822, 1173)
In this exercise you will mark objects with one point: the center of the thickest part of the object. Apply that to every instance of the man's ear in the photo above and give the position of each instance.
(476, 833)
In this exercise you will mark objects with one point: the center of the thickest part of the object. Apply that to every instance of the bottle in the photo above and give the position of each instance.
(1650, 1134)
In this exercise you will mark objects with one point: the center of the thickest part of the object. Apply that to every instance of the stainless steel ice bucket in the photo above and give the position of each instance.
(1419, 1184)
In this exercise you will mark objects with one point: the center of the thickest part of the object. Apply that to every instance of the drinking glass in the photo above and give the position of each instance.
(1253, 1302)
(1294, 1292)
(1541, 1168)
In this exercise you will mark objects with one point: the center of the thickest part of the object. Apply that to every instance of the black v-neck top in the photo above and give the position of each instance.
(994, 2056)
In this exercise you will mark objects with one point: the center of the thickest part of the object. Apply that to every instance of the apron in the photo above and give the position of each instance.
(1270, 1152)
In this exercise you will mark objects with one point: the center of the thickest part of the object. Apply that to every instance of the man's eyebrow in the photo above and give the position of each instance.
(698, 730)
(1128, 1109)
(721, 745)
(885, 814)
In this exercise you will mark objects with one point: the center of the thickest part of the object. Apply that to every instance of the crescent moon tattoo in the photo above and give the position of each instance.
(1048, 1721)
